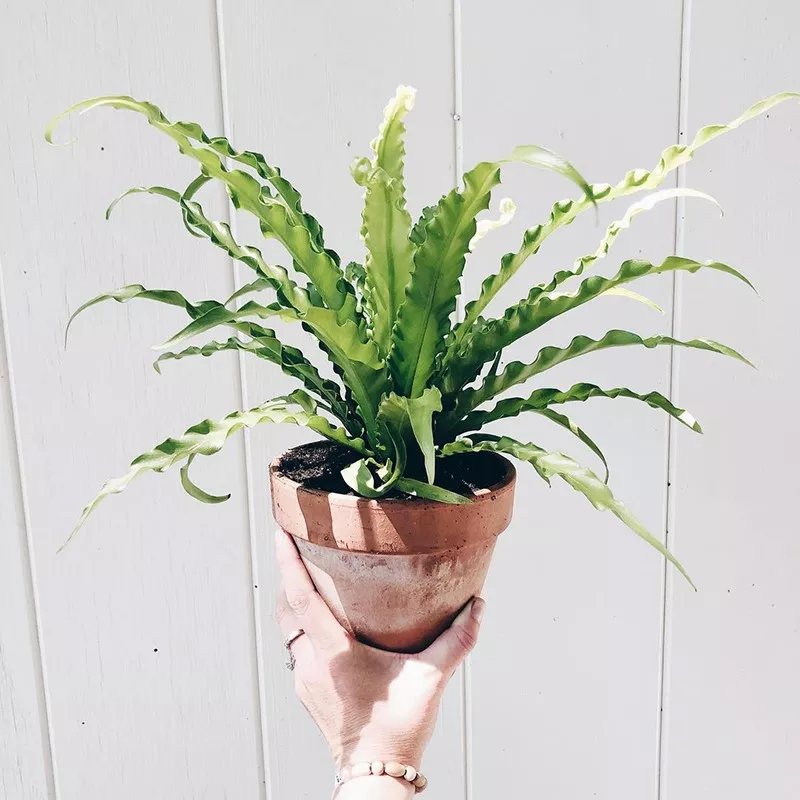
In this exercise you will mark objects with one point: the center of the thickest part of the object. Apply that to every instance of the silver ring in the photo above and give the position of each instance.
(288, 642)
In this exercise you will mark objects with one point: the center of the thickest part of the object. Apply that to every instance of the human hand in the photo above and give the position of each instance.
(370, 704)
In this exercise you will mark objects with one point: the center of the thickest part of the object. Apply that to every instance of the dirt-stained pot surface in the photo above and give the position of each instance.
(395, 571)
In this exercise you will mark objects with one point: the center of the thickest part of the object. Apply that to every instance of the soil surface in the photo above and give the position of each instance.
(318, 465)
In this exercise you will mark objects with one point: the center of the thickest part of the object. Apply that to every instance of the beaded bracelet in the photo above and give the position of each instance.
(393, 769)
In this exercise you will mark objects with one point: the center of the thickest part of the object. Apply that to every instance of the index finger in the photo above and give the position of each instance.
(302, 598)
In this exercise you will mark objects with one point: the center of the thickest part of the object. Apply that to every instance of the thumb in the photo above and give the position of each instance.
(452, 647)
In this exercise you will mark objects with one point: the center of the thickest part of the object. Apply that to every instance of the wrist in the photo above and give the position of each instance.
(369, 745)
(375, 787)
(382, 776)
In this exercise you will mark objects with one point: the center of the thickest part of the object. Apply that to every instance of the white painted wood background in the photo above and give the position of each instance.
(143, 661)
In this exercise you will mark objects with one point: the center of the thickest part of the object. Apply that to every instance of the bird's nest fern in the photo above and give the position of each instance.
(411, 383)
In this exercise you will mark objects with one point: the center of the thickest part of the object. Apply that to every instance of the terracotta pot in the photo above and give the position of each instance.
(394, 572)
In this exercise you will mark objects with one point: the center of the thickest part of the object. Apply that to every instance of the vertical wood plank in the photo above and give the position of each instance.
(306, 85)
(147, 616)
(732, 702)
(25, 768)
(566, 679)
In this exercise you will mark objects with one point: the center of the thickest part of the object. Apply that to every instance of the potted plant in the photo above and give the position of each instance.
(397, 510)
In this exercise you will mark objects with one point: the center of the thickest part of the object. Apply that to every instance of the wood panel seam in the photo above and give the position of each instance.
(672, 385)
(263, 735)
(465, 676)
(29, 576)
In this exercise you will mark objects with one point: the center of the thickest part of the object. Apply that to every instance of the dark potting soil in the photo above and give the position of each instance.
(318, 465)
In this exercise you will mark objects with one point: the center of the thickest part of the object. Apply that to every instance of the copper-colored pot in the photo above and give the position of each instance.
(394, 572)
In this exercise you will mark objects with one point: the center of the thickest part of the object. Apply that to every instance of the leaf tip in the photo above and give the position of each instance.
(360, 169)
(73, 532)
(50, 130)
(405, 97)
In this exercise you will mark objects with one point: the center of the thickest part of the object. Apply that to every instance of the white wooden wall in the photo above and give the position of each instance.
(143, 661)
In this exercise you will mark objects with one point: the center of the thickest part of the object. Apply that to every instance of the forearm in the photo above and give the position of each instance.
(375, 787)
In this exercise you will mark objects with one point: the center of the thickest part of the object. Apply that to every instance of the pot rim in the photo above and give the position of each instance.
(353, 500)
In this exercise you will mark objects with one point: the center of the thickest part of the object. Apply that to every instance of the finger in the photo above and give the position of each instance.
(283, 614)
(307, 609)
(452, 647)
(301, 647)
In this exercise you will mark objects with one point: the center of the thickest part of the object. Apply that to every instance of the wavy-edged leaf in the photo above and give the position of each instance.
(507, 209)
(357, 361)
(136, 291)
(564, 212)
(256, 161)
(539, 308)
(258, 285)
(647, 203)
(580, 392)
(613, 231)
(341, 341)
(565, 422)
(207, 350)
(580, 478)
(357, 275)
(423, 319)
(386, 222)
(193, 490)
(412, 418)
(265, 345)
(222, 315)
(418, 231)
(276, 218)
(219, 233)
(426, 491)
(208, 314)
(518, 372)
(389, 145)
(617, 291)
(162, 191)
(536, 156)
(171, 194)
(209, 437)
(621, 291)
(373, 479)
(390, 254)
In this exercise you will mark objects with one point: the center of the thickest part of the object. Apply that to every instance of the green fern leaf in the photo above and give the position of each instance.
(390, 255)
(342, 341)
(423, 319)
(276, 219)
(193, 490)
(564, 212)
(209, 437)
(411, 419)
(580, 478)
(548, 357)
(264, 344)
(565, 422)
(539, 308)
(426, 491)
(136, 291)
(386, 222)
(580, 392)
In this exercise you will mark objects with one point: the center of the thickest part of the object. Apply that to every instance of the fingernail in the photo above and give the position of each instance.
(478, 607)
